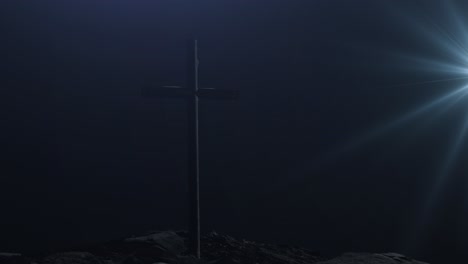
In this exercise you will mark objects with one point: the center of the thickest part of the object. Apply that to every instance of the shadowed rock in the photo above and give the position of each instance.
(171, 248)
(12, 258)
(367, 258)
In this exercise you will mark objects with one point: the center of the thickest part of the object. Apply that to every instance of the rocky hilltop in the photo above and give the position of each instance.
(170, 248)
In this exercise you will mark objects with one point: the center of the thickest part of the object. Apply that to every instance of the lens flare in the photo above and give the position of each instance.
(444, 36)
(445, 31)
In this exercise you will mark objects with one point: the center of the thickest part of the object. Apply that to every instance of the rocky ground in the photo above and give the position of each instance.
(169, 248)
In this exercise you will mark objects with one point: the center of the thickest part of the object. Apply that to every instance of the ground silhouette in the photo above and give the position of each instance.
(170, 247)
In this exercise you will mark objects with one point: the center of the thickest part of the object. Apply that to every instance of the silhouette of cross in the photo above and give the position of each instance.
(192, 93)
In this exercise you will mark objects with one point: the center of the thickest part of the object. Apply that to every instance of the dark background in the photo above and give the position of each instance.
(86, 158)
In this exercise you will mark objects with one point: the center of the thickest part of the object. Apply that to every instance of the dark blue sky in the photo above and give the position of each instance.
(88, 158)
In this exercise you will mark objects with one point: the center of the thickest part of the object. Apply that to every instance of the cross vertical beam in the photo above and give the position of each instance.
(192, 93)
(193, 149)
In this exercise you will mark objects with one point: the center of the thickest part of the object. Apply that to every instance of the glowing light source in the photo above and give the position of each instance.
(447, 33)
(446, 56)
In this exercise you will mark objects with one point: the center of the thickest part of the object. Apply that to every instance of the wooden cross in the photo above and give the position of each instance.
(192, 93)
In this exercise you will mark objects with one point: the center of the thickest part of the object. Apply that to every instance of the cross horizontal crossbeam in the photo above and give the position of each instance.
(180, 92)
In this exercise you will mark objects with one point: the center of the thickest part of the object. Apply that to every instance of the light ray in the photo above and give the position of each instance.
(453, 42)
(379, 131)
(430, 121)
(458, 21)
(424, 216)
(457, 44)
(447, 100)
(444, 55)
(439, 36)
(420, 64)
(427, 82)
(449, 106)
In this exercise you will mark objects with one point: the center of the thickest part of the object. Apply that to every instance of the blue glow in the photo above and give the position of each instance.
(447, 58)
(448, 37)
